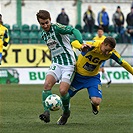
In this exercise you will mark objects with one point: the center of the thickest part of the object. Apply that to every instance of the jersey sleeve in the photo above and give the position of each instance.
(62, 29)
(116, 56)
(76, 44)
(77, 35)
(90, 42)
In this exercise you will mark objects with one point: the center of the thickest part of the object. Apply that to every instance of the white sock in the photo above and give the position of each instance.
(105, 75)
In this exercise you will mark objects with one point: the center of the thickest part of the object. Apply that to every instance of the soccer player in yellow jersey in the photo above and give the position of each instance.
(4, 37)
(87, 69)
(100, 36)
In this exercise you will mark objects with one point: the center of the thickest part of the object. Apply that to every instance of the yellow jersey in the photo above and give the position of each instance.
(4, 36)
(99, 38)
(89, 62)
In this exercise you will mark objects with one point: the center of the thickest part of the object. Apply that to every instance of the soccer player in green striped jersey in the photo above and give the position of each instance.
(62, 68)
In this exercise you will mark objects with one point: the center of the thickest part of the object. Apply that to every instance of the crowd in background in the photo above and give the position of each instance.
(103, 19)
(121, 28)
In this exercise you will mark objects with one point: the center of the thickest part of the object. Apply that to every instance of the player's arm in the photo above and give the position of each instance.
(127, 66)
(62, 29)
(116, 56)
(83, 47)
(78, 35)
(6, 38)
(78, 45)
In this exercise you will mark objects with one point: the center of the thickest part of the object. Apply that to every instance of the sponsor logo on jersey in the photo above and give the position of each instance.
(51, 43)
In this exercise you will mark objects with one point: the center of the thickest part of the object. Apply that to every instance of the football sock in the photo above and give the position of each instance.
(65, 101)
(45, 94)
(105, 75)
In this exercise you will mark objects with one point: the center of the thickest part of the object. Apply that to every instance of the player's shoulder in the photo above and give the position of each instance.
(114, 52)
(3, 27)
(58, 26)
(95, 38)
(103, 37)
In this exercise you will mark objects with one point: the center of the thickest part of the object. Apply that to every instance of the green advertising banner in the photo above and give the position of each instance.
(38, 75)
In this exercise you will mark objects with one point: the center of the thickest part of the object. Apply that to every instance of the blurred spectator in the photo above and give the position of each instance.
(103, 19)
(89, 19)
(100, 34)
(118, 21)
(63, 18)
(129, 21)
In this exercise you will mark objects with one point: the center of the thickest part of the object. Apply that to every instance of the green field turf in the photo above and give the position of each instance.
(20, 106)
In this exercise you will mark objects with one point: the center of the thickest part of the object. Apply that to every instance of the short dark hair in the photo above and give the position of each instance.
(43, 14)
(0, 15)
(100, 28)
(111, 41)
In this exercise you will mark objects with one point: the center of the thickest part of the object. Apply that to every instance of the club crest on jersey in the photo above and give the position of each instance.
(51, 43)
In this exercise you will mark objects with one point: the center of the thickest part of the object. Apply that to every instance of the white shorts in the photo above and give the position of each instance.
(61, 72)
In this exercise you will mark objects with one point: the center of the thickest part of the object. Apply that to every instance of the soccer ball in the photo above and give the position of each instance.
(53, 102)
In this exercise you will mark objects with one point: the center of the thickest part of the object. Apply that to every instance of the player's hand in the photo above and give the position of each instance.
(85, 47)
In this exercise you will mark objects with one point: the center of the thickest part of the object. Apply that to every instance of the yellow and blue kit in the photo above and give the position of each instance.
(4, 38)
(87, 69)
(99, 38)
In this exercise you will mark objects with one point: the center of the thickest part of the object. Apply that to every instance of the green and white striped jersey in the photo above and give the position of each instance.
(57, 39)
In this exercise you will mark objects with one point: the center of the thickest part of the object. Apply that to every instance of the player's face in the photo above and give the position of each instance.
(100, 33)
(105, 48)
(45, 24)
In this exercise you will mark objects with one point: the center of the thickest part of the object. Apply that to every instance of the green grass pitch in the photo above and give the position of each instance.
(20, 106)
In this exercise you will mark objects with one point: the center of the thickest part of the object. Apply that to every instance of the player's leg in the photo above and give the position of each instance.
(50, 80)
(105, 75)
(76, 85)
(95, 102)
(67, 75)
(66, 102)
(95, 93)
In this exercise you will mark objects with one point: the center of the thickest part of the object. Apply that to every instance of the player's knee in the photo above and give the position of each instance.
(47, 85)
(63, 91)
(96, 101)
(64, 88)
